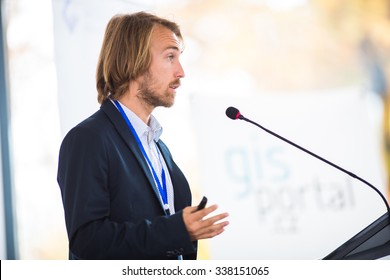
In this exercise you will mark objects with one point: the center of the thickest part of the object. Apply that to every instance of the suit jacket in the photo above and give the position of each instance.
(112, 206)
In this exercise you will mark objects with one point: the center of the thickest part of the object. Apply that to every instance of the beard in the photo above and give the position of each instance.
(147, 91)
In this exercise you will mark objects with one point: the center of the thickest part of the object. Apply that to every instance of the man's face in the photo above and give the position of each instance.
(158, 86)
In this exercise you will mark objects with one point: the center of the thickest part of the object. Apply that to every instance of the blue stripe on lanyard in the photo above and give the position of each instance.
(162, 188)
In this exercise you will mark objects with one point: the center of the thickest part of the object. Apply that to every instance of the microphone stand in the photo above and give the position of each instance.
(372, 242)
(241, 117)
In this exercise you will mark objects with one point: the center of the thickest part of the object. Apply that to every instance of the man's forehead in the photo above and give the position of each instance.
(166, 38)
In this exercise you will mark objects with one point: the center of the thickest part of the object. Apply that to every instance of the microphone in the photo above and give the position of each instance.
(234, 114)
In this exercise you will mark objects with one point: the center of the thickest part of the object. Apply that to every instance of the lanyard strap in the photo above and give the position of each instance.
(162, 187)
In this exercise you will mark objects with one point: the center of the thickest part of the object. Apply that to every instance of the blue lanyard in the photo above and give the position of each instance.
(162, 188)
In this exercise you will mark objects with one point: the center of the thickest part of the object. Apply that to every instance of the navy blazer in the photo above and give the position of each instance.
(112, 206)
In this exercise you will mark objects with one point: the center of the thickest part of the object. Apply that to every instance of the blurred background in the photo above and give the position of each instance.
(316, 71)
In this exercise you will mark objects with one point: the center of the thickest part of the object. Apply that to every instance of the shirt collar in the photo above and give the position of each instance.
(152, 131)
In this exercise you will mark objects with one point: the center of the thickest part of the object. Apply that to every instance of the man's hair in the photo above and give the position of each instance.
(125, 52)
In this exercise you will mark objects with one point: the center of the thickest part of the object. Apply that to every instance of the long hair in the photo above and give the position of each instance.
(125, 52)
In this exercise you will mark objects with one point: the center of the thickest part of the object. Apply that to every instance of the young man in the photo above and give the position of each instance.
(124, 197)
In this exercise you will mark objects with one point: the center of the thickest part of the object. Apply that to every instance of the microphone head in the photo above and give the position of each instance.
(233, 113)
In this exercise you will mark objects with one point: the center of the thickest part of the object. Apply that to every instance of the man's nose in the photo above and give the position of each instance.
(180, 71)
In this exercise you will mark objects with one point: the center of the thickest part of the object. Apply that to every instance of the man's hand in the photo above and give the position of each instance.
(200, 228)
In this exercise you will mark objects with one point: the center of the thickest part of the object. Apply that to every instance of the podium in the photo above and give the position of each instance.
(371, 243)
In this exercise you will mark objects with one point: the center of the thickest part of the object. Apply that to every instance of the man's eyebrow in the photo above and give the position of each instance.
(175, 48)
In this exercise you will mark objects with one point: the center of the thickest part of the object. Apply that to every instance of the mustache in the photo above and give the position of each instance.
(175, 83)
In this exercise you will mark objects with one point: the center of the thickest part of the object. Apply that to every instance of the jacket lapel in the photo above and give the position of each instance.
(180, 201)
(124, 131)
(166, 155)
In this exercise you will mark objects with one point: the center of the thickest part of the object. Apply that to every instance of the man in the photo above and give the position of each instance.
(124, 197)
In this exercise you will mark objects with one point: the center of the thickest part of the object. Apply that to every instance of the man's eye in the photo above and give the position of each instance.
(171, 57)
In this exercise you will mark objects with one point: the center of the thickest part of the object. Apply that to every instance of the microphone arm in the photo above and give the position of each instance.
(241, 117)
